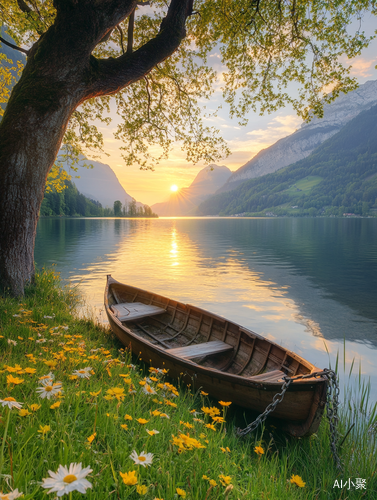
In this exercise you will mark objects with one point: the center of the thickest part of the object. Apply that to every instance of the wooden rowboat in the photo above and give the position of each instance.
(229, 362)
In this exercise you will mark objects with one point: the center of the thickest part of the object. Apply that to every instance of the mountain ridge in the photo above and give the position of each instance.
(339, 177)
(308, 137)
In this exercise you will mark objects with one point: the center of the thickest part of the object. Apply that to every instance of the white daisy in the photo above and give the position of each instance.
(10, 496)
(83, 372)
(11, 403)
(40, 341)
(143, 459)
(153, 432)
(147, 389)
(49, 389)
(67, 480)
(10, 341)
(49, 377)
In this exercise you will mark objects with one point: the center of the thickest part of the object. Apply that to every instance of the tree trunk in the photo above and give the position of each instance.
(30, 138)
(60, 74)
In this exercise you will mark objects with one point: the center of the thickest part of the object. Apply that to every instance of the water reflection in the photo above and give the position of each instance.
(307, 284)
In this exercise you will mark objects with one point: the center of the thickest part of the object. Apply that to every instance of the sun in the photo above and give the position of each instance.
(174, 188)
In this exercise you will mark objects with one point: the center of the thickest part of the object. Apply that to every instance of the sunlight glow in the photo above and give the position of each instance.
(174, 188)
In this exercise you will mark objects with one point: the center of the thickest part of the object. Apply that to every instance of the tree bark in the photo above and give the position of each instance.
(60, 74)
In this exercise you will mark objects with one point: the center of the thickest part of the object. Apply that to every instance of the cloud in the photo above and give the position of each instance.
(362, 67)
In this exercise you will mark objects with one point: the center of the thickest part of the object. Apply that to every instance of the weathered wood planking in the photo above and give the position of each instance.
(130, 311)
(199, 350)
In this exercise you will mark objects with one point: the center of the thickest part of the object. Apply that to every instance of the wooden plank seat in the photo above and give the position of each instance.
(199, 350)
(271, 377)
(130, 311)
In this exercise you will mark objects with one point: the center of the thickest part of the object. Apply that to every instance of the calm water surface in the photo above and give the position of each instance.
(308, 284)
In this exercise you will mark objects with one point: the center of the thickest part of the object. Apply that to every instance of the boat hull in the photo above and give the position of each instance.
(299, 413)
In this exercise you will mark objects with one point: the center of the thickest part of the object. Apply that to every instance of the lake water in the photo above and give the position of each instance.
(308, 284)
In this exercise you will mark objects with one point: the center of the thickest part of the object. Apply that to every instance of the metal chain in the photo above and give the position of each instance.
(332, 404)
(278, 398)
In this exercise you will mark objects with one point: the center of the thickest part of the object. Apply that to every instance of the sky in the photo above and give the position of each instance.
(244, 142)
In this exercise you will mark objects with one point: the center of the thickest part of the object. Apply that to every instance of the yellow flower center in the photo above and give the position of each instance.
(9, 399)
(142, 459)
(70, 478)
(48, 388)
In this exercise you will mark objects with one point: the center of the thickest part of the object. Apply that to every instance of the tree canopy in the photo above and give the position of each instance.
(264, 47)
(156, 59)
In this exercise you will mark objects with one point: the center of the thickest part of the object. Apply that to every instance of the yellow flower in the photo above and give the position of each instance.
(297, 480)
(126, 378)
(186, 424)
(129, 478)
(30, 371)
(14, 369)
(225, 450)
(167, 402)
(210, 426)
(259, 450)
(155, 413)
(181, 492)
(223, 403)
(34, 407)
(117, 392)
(14, 380)
(124, 426)
(225, 479)
(219, 420)
(154, 379)
(90, 439)
(95, 394)
(55, 405)
(44, 429)
(212, 482)
(205, 477)
(127, 417)
(141, 489)
(204, 393)
(51, 363)
(142, 421)
(24, 413)
(142, 382)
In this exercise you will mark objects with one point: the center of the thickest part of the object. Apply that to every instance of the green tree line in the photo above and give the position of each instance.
(70, 202)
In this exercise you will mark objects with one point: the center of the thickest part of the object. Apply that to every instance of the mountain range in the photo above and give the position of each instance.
(305, 140)
(98, 183)
(339, 177)
(186, 200)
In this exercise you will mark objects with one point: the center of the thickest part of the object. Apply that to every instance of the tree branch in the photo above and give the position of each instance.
(23, 6)
(109, 76)
(130, 33)
(12, 46)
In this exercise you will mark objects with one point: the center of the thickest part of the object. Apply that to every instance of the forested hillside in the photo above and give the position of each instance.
(340, 176)
(71, 202)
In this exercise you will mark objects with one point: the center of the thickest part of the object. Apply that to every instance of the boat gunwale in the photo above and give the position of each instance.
(297, 384)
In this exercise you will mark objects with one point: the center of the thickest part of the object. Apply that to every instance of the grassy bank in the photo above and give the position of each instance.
(84, 400)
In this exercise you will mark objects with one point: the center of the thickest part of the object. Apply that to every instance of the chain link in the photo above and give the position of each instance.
(332, 404)
(278, 398)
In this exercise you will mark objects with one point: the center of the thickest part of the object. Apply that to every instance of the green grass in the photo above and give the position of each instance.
(305, 185)
(185, 449)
